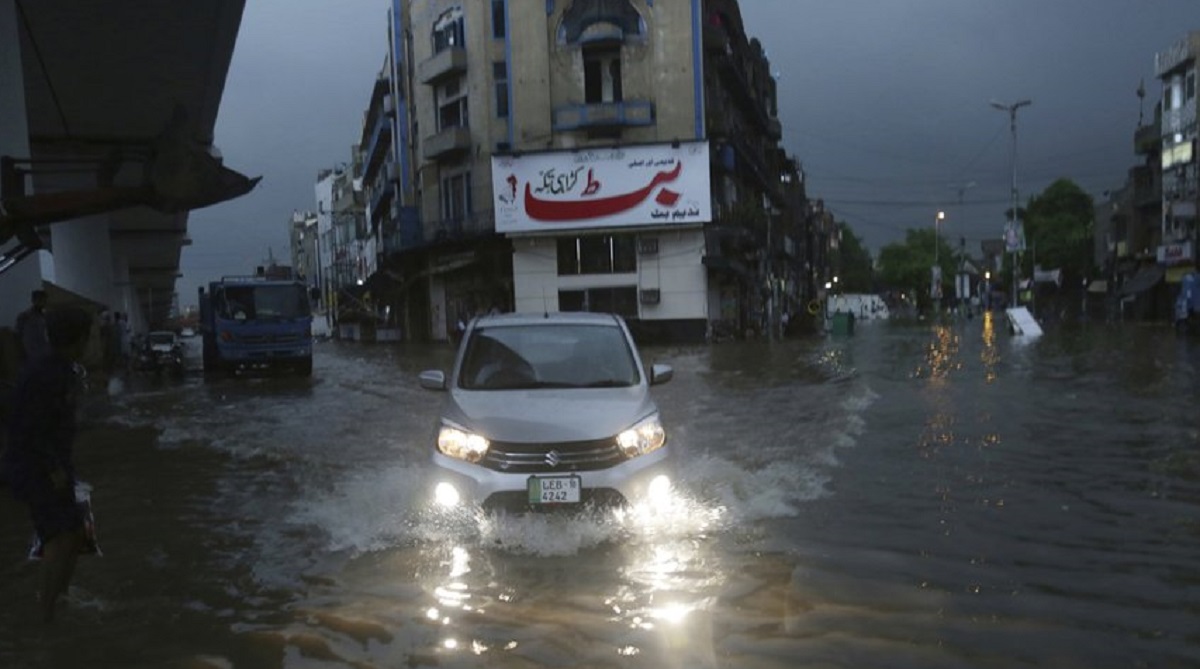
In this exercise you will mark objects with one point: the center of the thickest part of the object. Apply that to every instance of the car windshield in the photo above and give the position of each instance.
(547, 356)
(162, 338)
(264, 302)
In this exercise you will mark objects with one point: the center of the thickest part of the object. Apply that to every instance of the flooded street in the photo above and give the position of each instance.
(908, 496)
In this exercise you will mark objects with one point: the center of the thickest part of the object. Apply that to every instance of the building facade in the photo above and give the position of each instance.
(1146, 231)
(614, 155)
(1175, 68)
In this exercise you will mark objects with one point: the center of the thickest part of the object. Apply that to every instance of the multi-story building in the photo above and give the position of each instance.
(302, 236)
(1146, 232)
(617, 155)
(1175, 67)
(345, 249)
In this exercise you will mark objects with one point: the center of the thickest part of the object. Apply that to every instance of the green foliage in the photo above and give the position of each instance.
(1058, 228)
(906, 265)
(855, 273)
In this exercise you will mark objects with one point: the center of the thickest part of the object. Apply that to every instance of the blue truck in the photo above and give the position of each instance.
(256, 323)
(1187, 303)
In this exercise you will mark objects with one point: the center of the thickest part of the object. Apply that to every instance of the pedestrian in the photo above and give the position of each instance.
(38, 460)
(31, 329)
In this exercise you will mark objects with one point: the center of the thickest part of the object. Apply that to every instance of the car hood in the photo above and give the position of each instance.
(552, 415)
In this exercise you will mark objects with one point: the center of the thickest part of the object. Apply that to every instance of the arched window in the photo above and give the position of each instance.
(609, 20)
(448, 31)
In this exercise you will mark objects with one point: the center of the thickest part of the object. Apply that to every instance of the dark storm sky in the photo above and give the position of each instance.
(884, 102)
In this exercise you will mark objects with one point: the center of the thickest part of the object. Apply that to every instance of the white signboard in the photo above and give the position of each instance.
(605, 187)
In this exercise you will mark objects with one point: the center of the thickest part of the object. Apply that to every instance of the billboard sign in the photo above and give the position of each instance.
(602, 187)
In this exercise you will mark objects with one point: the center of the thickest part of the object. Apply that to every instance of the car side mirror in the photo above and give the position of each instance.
(433, 379)
(660, 374)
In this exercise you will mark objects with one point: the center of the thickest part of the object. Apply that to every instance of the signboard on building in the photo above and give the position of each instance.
(1175, 254)
(602, 187)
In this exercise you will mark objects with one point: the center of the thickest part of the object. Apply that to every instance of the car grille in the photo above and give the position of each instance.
(570, 456)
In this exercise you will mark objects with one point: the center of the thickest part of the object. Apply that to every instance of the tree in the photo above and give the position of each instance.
(1058, 229)
(905, 266)
(855, 273)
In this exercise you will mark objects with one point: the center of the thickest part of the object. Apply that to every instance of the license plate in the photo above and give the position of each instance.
(554, 489)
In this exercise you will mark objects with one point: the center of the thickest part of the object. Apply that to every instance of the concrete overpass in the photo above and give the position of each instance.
(98, 101)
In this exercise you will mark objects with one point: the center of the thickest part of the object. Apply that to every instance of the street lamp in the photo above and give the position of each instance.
(1012, 238)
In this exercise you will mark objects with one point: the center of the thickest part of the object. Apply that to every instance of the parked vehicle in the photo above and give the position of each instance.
(549, 411)
(162, 352)
(255, 322)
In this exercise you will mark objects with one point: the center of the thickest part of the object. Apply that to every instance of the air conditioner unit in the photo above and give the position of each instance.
(650, 296)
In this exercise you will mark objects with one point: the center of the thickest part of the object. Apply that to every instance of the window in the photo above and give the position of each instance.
(601, 75)
(499, 29)
(451, 104)
(500, 74)
(597, 254)
(448, 31)
(622, 300)
(1189, 88)
(456, 197)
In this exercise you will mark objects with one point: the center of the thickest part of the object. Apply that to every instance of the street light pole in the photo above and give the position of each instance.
(937, 267)
(1012, 217)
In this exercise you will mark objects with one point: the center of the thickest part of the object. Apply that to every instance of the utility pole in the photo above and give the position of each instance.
(1013, 242)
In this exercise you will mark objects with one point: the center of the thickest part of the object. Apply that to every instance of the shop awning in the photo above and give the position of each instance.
(1145, 279)
(1176, 274)
(57, 296)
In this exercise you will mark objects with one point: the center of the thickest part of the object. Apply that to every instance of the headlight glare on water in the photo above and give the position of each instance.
(643, 438)
(462, 445)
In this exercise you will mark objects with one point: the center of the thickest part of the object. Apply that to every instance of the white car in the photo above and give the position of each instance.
(549, 411)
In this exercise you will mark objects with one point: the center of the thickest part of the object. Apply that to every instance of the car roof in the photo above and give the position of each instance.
(554, 317)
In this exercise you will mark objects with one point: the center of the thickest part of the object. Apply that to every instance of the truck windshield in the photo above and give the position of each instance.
(264, 302)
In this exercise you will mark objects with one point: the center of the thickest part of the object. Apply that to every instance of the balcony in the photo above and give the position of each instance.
(774, 129)
(378, 147)
(601, 115)
(448, 143)
(479, 224)
(1147, 139)
(1147, 188)
(381, 201)
(716, 39)
(448, 62)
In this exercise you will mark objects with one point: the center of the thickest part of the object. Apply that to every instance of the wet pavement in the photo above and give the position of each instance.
(912, 495)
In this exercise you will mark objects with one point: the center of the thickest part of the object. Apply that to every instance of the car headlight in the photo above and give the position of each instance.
(643, 438)
(460, 444)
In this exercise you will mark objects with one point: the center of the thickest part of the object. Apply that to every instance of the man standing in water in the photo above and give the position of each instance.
(31, 328)
(38, 459)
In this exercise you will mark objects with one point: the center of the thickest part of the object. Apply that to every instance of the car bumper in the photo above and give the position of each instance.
(626, 483)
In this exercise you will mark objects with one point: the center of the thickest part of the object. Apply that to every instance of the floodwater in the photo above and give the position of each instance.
(911, 495)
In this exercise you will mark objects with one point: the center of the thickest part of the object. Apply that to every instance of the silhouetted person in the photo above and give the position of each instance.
(31, 328)
(38, 460)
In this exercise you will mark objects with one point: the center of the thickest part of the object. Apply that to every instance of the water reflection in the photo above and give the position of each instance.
(989, 352)
(639, 582)
(1002, 505)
